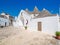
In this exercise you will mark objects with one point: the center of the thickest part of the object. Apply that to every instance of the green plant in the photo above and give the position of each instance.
(25, 27)
(57, 33)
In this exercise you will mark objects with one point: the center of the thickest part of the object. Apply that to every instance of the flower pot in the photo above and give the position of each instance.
(58, 37)
(25, 27)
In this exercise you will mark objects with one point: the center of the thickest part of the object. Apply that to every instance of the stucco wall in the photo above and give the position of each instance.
(59, 23)
(2, 22)
(59, 26)
(49, 24)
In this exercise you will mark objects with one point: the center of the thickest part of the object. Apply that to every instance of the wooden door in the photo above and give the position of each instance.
(39, 26)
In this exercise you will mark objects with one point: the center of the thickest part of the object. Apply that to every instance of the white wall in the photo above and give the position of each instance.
(2, 22)
(49, 24)
(59, 24)
(17, 23)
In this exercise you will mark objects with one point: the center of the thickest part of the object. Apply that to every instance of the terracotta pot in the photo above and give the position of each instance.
(58, 37)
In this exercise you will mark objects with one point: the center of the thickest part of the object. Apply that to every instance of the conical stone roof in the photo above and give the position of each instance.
(26, 9)
(35, 11)
(43, 13)
(3, 13)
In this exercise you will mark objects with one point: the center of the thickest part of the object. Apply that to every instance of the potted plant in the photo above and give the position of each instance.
(25, 27)
(57, 35)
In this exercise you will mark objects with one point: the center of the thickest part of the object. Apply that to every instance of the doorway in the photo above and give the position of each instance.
(39, 26)
(5, 24)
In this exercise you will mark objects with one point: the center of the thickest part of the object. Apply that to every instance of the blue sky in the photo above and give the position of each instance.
(13, 7)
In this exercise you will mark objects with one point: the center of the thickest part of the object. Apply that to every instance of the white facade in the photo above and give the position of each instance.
(18, 22)
(5, 19)
(49, 24)
(59, 24)
(4, 22)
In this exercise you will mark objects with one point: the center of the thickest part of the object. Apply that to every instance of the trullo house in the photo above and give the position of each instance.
(5, 19)
(39, 20)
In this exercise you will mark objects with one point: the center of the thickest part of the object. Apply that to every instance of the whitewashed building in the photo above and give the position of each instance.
(39, 20)
(5, 19)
